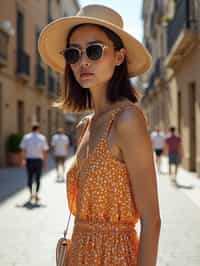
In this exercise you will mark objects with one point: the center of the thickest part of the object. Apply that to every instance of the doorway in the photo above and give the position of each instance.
(192, 129)
(179, 113)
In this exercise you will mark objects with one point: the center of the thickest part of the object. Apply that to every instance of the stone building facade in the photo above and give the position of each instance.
(27, 86)
(172, 87)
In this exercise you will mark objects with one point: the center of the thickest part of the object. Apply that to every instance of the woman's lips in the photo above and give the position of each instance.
(86, 75)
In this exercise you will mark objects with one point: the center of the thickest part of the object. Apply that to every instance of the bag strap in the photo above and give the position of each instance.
(68, 221)
(67, 227)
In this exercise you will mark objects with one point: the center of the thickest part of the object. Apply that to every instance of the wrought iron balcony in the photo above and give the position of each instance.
(23, 64)
(179, 22)
(159, 9)
(181, 35)
(156, 16)
(40, 76)
(155, 75)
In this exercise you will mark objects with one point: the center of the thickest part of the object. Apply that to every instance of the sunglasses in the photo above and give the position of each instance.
(93, 51)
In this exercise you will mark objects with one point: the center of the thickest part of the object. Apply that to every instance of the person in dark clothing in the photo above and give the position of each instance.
(34, 147)
(174, 150)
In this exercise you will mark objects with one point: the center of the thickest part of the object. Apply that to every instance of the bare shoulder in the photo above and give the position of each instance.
(132, 133)
(131, 118)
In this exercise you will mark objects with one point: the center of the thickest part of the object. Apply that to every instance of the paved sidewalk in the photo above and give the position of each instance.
(180, 214)
(29, 232)
(12, 179)
(187, 182)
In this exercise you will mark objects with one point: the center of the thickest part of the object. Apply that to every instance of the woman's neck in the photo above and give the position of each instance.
(100, 102)
(101, 107)
(99, 99)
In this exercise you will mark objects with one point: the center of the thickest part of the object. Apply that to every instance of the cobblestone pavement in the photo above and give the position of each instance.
(29, 232)
(180, 214)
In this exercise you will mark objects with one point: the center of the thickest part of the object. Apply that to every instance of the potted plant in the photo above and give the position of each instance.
(13, 151)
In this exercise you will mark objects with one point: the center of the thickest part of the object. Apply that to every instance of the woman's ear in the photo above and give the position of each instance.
(120, 55)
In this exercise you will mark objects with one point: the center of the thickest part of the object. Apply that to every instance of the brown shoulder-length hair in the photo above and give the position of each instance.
(76, 98)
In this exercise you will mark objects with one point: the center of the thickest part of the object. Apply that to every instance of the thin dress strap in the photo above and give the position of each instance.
(82, 133)
(114, 115)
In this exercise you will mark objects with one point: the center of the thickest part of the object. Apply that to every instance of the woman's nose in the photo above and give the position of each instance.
(84, 60)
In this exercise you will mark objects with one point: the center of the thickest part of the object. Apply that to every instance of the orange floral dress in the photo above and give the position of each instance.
(100, 197)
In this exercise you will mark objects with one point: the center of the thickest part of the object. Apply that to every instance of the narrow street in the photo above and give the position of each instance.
(29, 232)
(180, 212)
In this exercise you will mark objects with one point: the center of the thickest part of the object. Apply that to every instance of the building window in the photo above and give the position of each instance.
(20, 117)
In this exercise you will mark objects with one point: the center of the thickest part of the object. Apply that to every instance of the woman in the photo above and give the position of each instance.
(112, 183)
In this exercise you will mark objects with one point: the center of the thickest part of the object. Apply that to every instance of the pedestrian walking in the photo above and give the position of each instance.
(175, 152)
(34, 147)
(60, 148)
(158, 143)
(111, 183)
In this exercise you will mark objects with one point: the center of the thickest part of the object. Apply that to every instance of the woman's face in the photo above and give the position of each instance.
(94, 73)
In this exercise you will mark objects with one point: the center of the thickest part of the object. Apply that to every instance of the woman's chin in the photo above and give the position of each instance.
(87, 84)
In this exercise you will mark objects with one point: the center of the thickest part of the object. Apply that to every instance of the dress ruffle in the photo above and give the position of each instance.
(103, 245)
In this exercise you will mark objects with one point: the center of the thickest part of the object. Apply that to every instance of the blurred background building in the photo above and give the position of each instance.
(172, 87)
(27, 86)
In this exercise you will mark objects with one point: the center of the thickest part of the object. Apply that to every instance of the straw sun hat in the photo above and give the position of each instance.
(53, 36)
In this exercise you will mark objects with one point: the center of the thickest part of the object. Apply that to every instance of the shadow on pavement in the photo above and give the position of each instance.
(185, 186)
(60, 181)
(13, 180)
(163, 173)
(178, 185)
(30, 205)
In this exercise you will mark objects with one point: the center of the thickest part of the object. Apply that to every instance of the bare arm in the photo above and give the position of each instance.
(23, 154)
(45, 155)
(135, 144)
(23, 157)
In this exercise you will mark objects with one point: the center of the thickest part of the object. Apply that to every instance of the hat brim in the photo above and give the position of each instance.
(52, 40)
